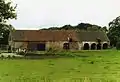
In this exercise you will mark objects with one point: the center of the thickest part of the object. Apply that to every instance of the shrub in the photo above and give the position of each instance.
(118, 46)
(65, 53)
(2, 56)
(9, 49)
(21, 53)
(13, 56)
(8, 56)
(51, 51)
(33, 53)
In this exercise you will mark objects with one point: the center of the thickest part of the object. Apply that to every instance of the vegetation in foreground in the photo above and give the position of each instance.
(86, 66)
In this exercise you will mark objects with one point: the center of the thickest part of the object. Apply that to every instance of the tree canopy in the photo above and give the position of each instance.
(114, 31)
(81, 26)
(7, 12)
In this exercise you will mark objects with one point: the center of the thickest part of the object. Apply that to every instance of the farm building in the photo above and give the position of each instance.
(42, 40)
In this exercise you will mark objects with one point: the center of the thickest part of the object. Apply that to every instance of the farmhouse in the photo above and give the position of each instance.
(42, 40)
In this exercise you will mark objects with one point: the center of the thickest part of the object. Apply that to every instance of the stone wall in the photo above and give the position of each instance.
(59, 45)
(56, 45)
(21, 45)
(48, 45)
(74, 45)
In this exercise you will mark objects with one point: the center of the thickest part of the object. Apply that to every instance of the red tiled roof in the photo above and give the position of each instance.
(57, 35)
(44, 35)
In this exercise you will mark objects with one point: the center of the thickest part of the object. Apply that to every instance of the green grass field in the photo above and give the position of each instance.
(86, 66)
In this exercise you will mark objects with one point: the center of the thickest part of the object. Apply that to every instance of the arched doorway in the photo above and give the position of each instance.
(66, 46)
(93, 46)
(99, 46)
(86, 46)
(105, 46)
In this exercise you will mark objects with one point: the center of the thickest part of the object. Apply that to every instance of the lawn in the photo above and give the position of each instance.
(86, 66)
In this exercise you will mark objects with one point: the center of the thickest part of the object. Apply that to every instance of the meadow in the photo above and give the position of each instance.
(83, 66)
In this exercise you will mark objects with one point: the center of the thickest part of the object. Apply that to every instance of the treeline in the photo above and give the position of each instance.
(81, 26)
(113, 31)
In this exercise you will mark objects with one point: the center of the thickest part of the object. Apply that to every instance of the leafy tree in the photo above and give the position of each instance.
(4, 32)
(7, 12)
(104, 29)
(81, 26)
(114, 31)
(118, 45)
(93, 28)
(67, 27)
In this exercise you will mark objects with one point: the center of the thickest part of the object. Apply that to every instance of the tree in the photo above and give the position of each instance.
(81, 26)
(67, 27)
(4, 32)
(7, 11)
(114, 31)
(104, 29)
(93, 28)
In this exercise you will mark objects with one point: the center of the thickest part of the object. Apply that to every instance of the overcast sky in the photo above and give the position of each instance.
(36, 14)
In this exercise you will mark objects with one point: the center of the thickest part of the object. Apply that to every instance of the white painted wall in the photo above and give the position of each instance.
(95, 43)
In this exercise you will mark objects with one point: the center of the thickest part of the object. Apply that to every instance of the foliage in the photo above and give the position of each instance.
(81, 26)
(7, 11)
(118, 46)
(21, 53)
(31, 54)
(104, 29)
(51, 51)
(9, 49)
(114, 31)
(4, 32)
(93, 28)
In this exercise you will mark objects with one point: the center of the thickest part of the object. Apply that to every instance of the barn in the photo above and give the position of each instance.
(42, 40)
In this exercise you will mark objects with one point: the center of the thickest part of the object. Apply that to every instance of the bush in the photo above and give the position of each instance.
(8, 56)
(118, 46)
(9, 49)
(13, 56)
(21, 53)
(32, 54)
(2, 56)
(51, 51)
